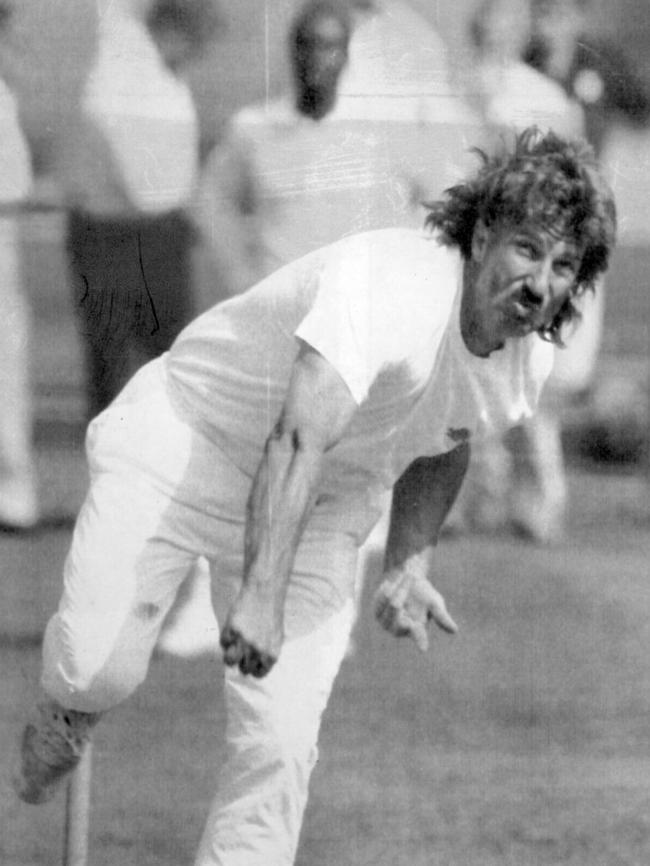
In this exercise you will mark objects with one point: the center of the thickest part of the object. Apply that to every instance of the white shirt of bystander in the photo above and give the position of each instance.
(140, 152)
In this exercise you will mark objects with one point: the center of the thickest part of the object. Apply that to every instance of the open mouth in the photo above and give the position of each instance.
(521, 319)
(520, 312)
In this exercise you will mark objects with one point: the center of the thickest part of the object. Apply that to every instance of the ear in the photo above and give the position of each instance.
(480, 239)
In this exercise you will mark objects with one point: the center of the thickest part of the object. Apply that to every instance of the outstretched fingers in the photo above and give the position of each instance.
(406, 607)
(420, 637)
(437, 611)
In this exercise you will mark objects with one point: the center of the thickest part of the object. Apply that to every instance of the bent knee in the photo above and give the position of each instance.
(81, 676)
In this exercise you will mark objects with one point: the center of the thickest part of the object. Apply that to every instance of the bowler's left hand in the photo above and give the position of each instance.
(405, 605)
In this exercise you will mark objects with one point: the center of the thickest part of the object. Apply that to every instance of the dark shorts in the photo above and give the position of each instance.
(131, 283)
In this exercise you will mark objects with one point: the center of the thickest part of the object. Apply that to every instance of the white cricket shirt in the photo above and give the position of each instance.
(383, 309)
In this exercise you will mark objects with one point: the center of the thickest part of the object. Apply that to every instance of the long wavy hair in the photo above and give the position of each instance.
(544, 180)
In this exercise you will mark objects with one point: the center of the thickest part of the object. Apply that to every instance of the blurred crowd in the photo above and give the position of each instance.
(177, 194)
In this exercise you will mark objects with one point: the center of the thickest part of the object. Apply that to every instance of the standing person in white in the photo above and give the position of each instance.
(45, 52)
(358, 142)
(18, 483)
(518, 482)
(381, 358)
(269, 190)
(128, 240)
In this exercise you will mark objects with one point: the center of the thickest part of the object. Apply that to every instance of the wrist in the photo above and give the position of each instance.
(416, 564)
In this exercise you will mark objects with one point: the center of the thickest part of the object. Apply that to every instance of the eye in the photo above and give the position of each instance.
(526, 247)
(565, 267)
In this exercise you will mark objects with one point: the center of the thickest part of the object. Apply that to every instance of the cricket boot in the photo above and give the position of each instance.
(50, 749)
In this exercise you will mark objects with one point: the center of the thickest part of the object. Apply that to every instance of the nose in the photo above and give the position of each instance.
(537, 289)
(531, 297)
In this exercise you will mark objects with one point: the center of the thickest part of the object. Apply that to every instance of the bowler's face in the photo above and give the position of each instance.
(522, 277)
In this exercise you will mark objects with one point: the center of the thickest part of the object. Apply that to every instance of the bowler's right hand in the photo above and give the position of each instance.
(251, 638)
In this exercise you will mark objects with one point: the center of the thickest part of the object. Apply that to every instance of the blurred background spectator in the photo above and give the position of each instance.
(517, 482)
(585, 86)
(592, 67)
(129, 240)
(18, 490)
(509, 93)
(290, 177)
(596, 68)
(115, 144)
(183, 30)
(46, 50)
(256, 201)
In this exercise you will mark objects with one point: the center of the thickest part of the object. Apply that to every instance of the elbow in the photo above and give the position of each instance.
(296, 440)
(290, 439)
(283, 435)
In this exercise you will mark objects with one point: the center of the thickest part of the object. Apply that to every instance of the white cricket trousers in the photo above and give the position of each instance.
(160, 496)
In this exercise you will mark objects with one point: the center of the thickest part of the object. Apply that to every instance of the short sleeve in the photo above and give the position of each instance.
(337, 324)
(368, 315)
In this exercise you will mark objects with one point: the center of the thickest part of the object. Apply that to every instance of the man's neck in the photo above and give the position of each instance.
(474, 336)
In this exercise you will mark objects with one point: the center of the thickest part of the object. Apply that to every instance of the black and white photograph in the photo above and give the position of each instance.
(325, 432)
